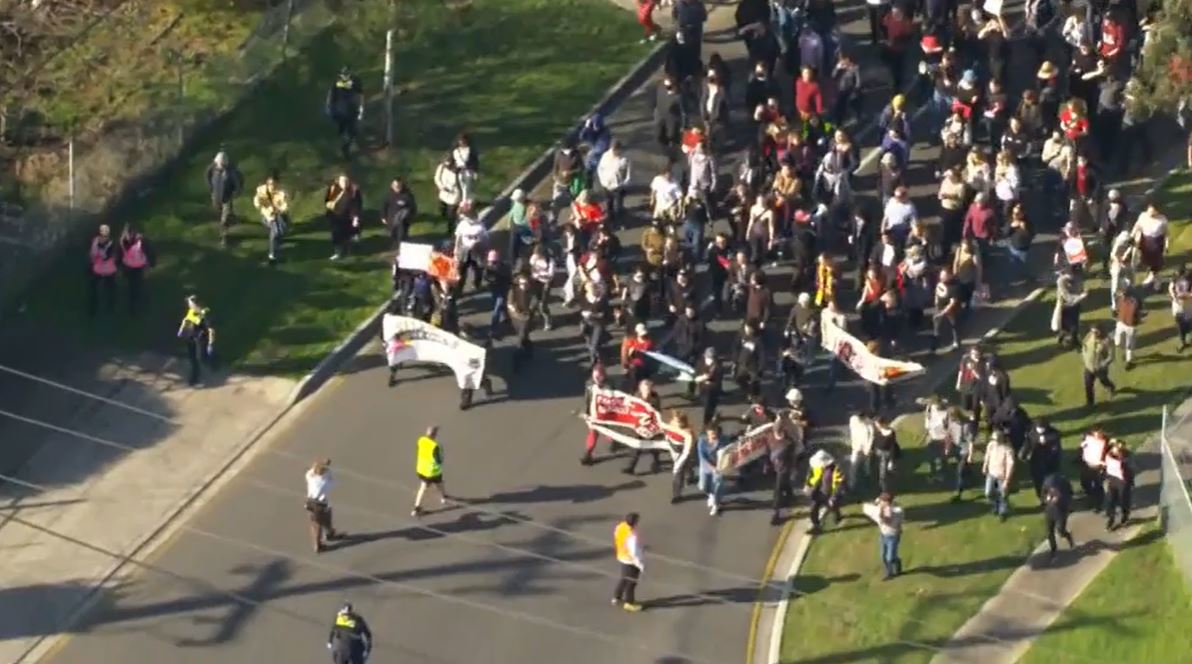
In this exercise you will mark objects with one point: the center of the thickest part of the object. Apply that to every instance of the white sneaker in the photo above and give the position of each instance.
(709, 502)
(714, 509)
(335, 257)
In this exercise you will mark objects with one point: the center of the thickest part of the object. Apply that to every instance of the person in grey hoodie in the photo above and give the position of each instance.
(701, 174)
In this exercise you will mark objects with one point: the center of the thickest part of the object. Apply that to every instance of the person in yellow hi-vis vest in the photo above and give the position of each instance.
(429, 466)
(629, 555)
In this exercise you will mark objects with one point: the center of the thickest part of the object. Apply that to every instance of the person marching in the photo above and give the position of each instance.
(350, 641)
(596, 384)
(825, 482)
(633, 356)
(520, 305)
(1092, 468)
(224, 183)
(274, 205)
(198, 333)
(1119, 482)
(782, 460)
(681, 467)
(629, 555)
(711, 482)
(318, 481)
(345, 107)
(645, 392)
(1056, 494)
(969, 378)
(1043, 451)
(101, 262)
(344, 205)
(709, 377)
(429, 466)
(135, 257)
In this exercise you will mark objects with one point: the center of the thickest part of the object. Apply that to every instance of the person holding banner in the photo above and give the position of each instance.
(681, 468)
(595, 384)
(645, 392)
(711, 482)
(633, 356)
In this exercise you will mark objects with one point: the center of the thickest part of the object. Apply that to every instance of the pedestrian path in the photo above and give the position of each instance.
(112, 500)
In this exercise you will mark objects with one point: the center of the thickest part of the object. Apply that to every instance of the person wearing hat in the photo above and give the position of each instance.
(1047, 87)
(198, 333)
(101, 270)
(825, 484)
(350, 641)
(345, 107)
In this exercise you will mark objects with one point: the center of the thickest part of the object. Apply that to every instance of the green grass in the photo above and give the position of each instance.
(1114, 620)
(515, 74)
(957, 555)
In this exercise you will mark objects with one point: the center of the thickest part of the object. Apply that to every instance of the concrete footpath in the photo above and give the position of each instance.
(109, 498)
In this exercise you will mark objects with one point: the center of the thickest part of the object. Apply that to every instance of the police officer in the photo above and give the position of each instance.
(1043, 451)
(198, 333)
(350, 641)
(345, 107)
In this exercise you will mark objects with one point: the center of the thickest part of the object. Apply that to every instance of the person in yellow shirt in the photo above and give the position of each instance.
(274, 205)
(629, 555)
(429, 466)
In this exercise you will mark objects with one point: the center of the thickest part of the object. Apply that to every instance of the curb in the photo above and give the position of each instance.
(774, 647)
(616, 94)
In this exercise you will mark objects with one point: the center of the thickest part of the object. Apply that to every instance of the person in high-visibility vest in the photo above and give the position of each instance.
(135, 258)
(198, 333)
(824, 481)
(101, 270)
(429, 466)
(350, 641)
(629, 555)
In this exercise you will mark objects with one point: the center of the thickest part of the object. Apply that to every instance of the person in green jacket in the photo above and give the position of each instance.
(429, 466)
(1097, 353)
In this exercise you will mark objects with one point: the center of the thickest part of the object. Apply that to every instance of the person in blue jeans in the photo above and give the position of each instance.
(499, 278)
(888, 517)
(711, 482)
(999, 468)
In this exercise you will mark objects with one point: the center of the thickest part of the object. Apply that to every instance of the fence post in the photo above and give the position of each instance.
(389, 87)
(70, 179)
(285, 32)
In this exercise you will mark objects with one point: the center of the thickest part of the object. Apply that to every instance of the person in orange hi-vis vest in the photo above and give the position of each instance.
(101, 270)
(629, 555)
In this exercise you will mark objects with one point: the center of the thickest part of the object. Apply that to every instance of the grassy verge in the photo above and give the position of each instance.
(957, 555)
(515, 74)
(1115, 620)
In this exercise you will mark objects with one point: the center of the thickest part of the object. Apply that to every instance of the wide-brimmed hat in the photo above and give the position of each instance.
(1047, 70)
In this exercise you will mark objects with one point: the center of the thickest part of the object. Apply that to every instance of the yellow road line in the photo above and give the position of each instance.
(767, 575)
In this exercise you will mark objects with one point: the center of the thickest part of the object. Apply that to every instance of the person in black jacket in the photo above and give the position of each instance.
(345, 107)
(1043, 452)
(748, 365)
(669, 114)
(225, 182)
(1056, 494)
(688, 335)
(994, 388)
(398, 211)
(718, 258)
(350, 641)
(759, 88)
(521, 313)
(709, 376)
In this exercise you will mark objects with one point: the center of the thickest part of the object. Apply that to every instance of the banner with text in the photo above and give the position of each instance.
(852, 352)
(748, 447)
(411, 340)
(632, 421)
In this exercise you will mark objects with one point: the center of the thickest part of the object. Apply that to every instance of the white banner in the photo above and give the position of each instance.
(632, 421)
(852, 352)
(748, 447)
(411, 340)
(415, 256)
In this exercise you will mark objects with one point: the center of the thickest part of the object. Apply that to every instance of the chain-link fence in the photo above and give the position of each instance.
(1175, 485)
(111, 103)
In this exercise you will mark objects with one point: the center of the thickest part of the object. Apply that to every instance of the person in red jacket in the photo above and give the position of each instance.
(1113, 36)
(809, 98)
(645, 16)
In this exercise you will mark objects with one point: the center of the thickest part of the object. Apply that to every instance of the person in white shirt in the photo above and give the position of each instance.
(542, 272)
(470, 237)
(860, 440)
(613, 171)
(1150, 238)
(665, 196)
(899, 214)
(318, 481)
(888, 517)
(935, 421)
(447, 182)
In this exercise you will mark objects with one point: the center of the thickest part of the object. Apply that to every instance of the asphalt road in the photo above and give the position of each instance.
(521, 572)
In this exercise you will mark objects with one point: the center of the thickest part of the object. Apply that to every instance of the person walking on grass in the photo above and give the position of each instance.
(274, 205)
(345, 107)
(1180, 292)
(888, 517)
(1128, 312)
(101, 270)
(629, 555)
(998, 467)
(1056, 495)
(318, 483)
(825, 484)
(344, 205)
(1119, 484)
(136, 256)
(224, 182)
(1097, 353)
(429, 467)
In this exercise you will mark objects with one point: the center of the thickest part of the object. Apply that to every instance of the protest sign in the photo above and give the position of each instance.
(632, 421)
(852, 352)
(411, 340)
(748, 447)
